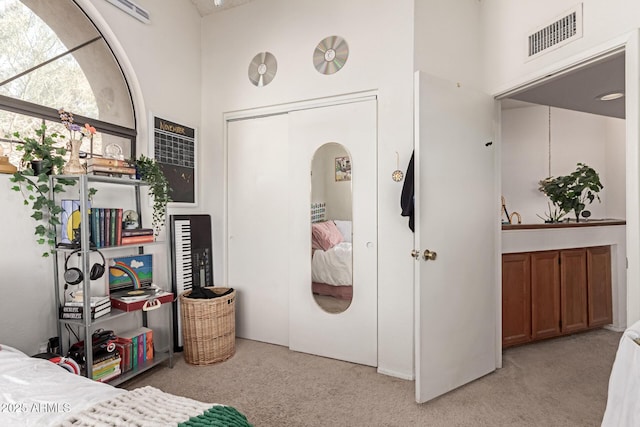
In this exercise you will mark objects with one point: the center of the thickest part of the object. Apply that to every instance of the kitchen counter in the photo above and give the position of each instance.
(582, 223)
(518, 238)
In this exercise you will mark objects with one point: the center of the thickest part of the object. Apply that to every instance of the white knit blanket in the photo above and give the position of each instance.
(146, 406)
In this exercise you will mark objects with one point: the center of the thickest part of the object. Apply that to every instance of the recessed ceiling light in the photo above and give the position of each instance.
(217, 3)
(610, 96)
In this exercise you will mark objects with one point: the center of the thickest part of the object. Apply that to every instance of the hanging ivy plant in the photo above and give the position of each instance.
(35, 185)
(150, 172)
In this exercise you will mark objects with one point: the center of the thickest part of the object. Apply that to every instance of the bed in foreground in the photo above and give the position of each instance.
(332, 259)
(36, 392)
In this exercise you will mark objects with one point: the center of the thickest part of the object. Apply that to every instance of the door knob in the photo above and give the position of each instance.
(416, 254)
(429, 255)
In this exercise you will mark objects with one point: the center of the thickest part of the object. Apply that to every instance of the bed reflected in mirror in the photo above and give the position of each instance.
(331, 228)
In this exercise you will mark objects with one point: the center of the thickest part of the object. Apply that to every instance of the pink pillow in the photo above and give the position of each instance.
(325, 235)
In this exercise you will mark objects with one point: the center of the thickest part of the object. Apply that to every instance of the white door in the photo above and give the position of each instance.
(258, 226)
(457, 218)
(352, 334)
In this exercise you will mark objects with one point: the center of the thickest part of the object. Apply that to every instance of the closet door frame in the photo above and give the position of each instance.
(279, 109)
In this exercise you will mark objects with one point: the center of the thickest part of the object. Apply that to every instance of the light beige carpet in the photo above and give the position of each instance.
(558, 382)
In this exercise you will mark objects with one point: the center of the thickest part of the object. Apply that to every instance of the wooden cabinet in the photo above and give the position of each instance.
(516, 299)
(573, 290)
(545, 294)
(551, 293)
(599, 286)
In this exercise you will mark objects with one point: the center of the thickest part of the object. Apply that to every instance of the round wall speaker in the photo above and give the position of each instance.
(262, 69)
(330, 55)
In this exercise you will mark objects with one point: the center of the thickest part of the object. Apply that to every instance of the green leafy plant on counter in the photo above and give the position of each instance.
(150, 172)
(572, 192)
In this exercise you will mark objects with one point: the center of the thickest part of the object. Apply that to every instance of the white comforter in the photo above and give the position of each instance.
(36, 392)
(623, 405)
(333, 267)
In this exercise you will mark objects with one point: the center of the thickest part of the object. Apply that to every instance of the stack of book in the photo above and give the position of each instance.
(110, 167)
(135, 348)
(136, 235)
(106, 366)
(105, 225)
(73, 309)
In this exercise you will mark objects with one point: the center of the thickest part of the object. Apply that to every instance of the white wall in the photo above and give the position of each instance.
(381, 60)
(325, 188)
(166, 81)
(506, 25)
(615, 153)
(576, 137)
(448, 41)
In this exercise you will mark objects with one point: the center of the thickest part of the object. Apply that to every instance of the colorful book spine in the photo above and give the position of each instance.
(106, 226)
(148, 343)
(136, 239)
(141, 349)
(119, 226)
(104, 161)
(123, 350)
(101, 228)
(136, 232)
(134, 347)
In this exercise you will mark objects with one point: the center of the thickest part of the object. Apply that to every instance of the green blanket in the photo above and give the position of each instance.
(219, 416)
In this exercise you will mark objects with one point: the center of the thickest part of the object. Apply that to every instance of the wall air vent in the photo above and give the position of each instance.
(132, 9)
(562, 30)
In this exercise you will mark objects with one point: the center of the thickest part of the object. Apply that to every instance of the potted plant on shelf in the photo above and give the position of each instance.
(149, 171)
(572, 192)
(33, 181)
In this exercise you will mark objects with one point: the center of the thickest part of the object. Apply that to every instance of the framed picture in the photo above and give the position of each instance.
(174, 147)
(343, 169)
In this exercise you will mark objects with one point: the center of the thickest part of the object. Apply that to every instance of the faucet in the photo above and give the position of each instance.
(516, 214)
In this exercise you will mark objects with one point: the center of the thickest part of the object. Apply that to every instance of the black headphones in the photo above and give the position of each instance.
(74, 275)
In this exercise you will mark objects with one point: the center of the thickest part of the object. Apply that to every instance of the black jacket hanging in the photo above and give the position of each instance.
(407, 197)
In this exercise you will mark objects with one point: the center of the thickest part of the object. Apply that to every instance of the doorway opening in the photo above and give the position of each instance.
(549, 127)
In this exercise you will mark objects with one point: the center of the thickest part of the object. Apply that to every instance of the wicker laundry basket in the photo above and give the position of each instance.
(208, 327)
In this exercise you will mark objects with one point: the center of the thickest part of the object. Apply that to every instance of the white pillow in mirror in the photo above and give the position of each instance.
(344, 227)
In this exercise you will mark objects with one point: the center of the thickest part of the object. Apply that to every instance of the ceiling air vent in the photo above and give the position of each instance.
(132, 9)
(561, 31)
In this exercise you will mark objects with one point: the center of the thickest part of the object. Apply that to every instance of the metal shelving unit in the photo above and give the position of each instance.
(87, 324)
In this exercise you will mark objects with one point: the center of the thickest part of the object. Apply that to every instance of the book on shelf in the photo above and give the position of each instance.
(118, 228)
(102, 356)
(79, 315)
(112, 359)
(136, 232)
(137, 239)
(77, 300)
(75, 308)
(116, 373)
(140, 342)
(129, 170)
(121, 170)
(70, 221)
(123, 347)
(106, 226)
(105, 161)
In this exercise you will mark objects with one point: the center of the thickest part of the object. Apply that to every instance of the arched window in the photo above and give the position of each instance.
(52, 56)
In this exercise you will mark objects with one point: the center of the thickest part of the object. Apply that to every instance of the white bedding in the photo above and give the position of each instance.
(623, 406)
(333, 267)
(58, 392)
